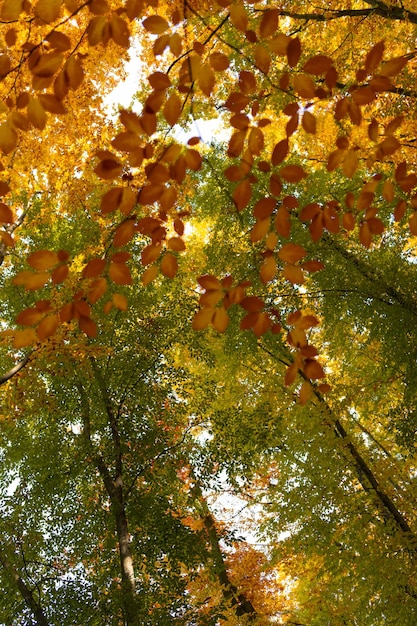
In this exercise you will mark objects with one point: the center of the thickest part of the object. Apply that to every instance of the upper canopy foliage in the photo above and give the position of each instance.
(193, 327)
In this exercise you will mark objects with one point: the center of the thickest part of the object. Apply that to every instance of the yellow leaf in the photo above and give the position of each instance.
(59, 41)
(119, 31)
(36, 113)
(51, 103)
(239, 17)
(8, 138)
(47, 327)
(43, 259)
(74, 72)
(206, 79)
(155, 24)
(48, 10)
(24, 338)
(48, 64)
(11, 10)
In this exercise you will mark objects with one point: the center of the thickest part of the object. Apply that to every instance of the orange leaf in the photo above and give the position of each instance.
(28, 317)
(124, 233)
(108, 169)
(269, 23)
(219, 61)
(242, 194)
(350, 163)
(305, 392)
(291, 252)
(88, 326)
(97, 290)
(268, 269)
(304, 86)
(126, 142)
(264, 207)
(294, 51)
(43, 259)
(149, 274)
(23, 338)
(8, 138)
(220, 320)
(172, 109)
(6, 214)
(169, 265)
(294, 274)
(47, 327)
(209, 282)
(94, 268)
(393, 66)
(292, 173)
(291, 374)
(374, 57)
(313, 369)
(59, 274)
(120, 273)
(203, 318)
(176, 243)
(309, 122)
(120, 301)
(239, 17)
(318, 64)
(30, 280)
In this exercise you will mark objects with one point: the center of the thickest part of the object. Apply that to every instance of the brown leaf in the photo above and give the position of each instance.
(292, 173)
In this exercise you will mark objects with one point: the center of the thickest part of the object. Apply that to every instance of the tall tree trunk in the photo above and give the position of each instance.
(24, 591)
(114, 489)
(237, 599)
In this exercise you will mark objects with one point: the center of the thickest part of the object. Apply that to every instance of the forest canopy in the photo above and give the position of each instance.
(208, 315)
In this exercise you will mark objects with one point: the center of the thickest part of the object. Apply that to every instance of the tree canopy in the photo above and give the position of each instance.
(208, 322)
